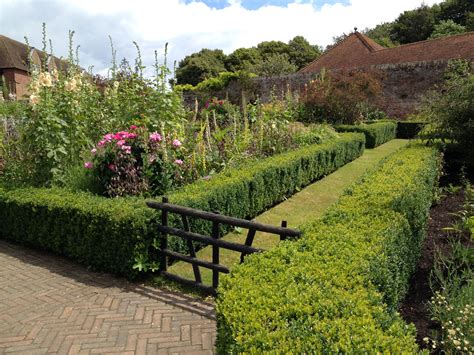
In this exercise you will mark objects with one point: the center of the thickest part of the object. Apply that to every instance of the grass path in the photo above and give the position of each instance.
(308, 204)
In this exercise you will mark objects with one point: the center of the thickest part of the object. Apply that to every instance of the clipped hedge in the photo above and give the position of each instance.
(409, 129)
(115, 234)
(337, 288)
(375, 133)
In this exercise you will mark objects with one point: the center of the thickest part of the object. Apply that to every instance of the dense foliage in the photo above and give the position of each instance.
(116, 235)
(267, 58)
(337, 288)
(342, 97)
(375, 133)
(450, 111)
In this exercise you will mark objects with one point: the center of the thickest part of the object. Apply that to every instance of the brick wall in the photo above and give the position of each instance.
(403, 86)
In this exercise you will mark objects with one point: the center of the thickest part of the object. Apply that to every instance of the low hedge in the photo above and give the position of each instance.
(409, 129)
(375, 133)
(337, 288)
(115, 234)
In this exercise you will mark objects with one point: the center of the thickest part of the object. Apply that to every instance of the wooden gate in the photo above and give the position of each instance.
(217, 220)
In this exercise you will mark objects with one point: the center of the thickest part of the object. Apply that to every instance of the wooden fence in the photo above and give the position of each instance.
(217, 220)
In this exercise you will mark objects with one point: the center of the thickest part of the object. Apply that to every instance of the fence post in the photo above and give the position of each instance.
(164, 237)
(215, 254)
(284, 224)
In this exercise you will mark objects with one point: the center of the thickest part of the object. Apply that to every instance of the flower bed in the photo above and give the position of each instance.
(375, 133)
(115, 234)
(337, 288)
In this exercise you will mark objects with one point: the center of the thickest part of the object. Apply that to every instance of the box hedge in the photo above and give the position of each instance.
(115, 234)
(337, 288)
(375, 133)
(409, 129)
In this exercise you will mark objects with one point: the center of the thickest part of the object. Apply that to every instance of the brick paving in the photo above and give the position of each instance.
(51, 305)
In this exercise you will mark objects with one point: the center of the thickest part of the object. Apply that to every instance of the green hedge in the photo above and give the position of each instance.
(115, 234)
(409, 130)
(375, 133)
(336, 289)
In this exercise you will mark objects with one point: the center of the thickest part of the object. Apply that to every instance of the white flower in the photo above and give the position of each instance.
(116, 84)
(70, 85)
(34, 99)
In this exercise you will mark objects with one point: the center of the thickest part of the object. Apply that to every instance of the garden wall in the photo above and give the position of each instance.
(403, 86)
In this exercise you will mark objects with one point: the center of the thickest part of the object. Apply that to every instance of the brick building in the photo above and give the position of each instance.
(14, 73)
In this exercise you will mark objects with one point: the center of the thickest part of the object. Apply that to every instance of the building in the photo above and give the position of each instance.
(14, 73)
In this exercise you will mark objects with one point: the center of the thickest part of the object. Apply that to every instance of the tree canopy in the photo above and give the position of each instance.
(267, 58)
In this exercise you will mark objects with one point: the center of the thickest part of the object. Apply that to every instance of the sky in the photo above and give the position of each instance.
(187, 25)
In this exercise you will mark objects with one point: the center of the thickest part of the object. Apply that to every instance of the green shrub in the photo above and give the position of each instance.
(106, 234)
(336, 289)
(115, 234)
(409, 129)
(375, 133)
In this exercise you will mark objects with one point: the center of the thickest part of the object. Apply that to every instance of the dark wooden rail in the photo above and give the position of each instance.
(213, 240)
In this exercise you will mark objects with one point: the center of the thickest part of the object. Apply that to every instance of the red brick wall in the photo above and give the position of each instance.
(17, 82)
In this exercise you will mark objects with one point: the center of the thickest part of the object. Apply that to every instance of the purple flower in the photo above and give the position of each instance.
(176, 143)
(88, 165)
(155, 137)
(178, 162)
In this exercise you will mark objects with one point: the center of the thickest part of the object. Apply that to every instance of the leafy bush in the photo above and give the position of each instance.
(138, 162)
(106, 234)
(409, 129)
(375, 133)
(340, 97)
(115, 234)
(336, 289)
(450, 111)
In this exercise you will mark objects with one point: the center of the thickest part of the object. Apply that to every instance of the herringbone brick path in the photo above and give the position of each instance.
(50, 305)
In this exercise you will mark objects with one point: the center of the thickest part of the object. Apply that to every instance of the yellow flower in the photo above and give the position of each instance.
(45, 79)
(451, 332)
(70, 85)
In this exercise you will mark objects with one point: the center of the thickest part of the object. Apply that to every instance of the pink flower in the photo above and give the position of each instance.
(88, 165)
(178, 162)
(133, 127)
(155, 137)
(101, 143)
(112, 167)
(93, 151)
(176, 143)
(108, 137)
(121, 142)
(132, 136)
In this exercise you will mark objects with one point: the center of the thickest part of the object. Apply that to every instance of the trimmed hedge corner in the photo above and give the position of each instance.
(337, 288)
(409, 129)
(115, 235)
(375, 133)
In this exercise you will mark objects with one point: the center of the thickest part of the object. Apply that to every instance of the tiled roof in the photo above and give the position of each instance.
(358, 51)
(14, 54)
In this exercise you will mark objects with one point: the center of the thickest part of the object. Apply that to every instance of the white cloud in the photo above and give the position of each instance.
(188, 27)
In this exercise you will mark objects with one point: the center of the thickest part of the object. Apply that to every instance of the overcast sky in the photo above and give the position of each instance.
(187, 25)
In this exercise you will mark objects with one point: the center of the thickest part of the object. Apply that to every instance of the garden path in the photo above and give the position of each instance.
(306, 205)
(51, 305)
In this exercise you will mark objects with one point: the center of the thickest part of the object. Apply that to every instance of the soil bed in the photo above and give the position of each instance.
(414, 308)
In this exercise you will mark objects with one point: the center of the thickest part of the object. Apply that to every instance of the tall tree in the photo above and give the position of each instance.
(447, 28)
(381, 34)
(243, 59)
(415, 25)
(301, 52)
(199, 66)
